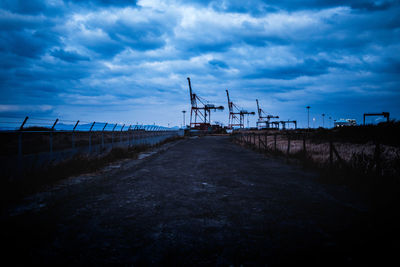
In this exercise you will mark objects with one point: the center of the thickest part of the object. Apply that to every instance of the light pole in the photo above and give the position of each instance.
(184, 121)
(323, 120)
(308, 117)
(330, 122)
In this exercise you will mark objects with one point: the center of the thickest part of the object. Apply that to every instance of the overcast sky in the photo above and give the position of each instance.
(127, 61)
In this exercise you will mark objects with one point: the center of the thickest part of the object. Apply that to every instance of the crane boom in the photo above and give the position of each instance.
(258, 110)
(200, 114)
(230, 106)
(261, 118)
(236, 118)
(192, 96)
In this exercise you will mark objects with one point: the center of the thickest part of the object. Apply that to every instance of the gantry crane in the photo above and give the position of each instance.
(275, 124)
(261, 117)
(234, 112)
(287, 122)
(200, 114)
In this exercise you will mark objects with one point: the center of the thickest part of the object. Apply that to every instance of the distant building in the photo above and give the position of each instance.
(345, 122)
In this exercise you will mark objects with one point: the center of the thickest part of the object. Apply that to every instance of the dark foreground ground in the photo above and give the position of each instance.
(203, 201)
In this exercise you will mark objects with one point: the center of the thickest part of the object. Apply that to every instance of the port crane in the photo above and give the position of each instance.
(236, 115)
(200, 112)
(287, 122)
(262, 116)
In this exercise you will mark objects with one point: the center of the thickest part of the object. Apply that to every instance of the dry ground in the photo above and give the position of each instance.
(202, 201)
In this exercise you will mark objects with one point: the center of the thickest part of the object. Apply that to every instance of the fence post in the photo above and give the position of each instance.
(102, 136)
(73, 134)
(23, 123)
(120, 135)
(275, 142)
(377, 157)
(51, 139)
(129, 135)
(90, 137)
(51, 145)
(112, 136)
(330, 153)
(20, 161)
(288, 145)
(266, 141)
(304, 146)
(54, 125)
(259, 143)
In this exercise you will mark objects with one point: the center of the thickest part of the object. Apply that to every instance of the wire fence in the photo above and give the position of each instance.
(372, 158)
(35, 143)
(14, 123)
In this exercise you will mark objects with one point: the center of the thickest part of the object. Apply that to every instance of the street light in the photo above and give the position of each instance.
(308, 117)
(184, 121)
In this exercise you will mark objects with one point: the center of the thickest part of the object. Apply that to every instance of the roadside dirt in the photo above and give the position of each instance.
(199, 201)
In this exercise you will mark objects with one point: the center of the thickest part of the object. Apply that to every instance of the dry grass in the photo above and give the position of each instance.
(32, 181)
(357, 163)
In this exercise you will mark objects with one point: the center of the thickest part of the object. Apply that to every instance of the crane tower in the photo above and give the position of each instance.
(236, 115)
(262, 116)
(200, 116)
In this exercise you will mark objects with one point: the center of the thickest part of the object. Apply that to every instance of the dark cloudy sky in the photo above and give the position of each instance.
(127, 61)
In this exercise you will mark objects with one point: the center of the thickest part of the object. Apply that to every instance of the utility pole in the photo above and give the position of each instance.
(308, 117)
(184, 121)
(323, 120)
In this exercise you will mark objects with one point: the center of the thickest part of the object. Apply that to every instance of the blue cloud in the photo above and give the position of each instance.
(104, 3)
(139, 36)
(309, 67)
(26, 43)
(68, 56)
(23, 7)
(130, 59)
(218, 63)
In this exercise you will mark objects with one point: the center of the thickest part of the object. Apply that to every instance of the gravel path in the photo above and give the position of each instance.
(199, 201)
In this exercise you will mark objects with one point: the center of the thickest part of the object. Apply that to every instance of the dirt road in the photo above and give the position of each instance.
(202, 201)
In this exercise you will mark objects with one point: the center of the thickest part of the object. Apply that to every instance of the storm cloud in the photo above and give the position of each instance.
(128, 60)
